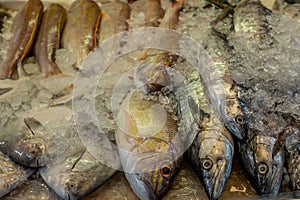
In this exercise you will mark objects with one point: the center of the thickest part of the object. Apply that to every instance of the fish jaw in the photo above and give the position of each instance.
(147, 176)
(264, 166)
(216, 177)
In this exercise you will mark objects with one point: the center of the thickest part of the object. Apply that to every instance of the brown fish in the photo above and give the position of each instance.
(48, 40)
(24, 30)
(80, 33)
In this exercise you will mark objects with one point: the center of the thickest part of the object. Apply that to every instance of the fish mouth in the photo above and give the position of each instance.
(236, 129)
(141, 189)
(215, 184)
(271, 182)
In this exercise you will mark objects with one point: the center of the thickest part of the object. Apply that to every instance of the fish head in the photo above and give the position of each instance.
(27, 151)
(264, 163)
(215, 165)
(234, 118)
(153, 173)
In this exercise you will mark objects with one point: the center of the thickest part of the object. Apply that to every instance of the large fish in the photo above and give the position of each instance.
(149, 147)
(81, 29)
(48, 40)
(261, 150)
(24, 31)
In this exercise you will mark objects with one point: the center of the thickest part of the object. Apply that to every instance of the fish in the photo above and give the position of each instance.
(291, 138)
(261, 151)
(24, 31)
(12, 174)
(151, 74)
(48, 40)
(118, 13)
(81, 29)
(72, 172)
(211, 147)
(149, 148)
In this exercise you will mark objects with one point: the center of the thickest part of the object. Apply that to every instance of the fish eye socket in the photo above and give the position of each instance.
(166, 170)
(262, 168)
(207, 164)
(240, 119)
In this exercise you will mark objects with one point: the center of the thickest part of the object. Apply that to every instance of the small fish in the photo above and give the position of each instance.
(81, 29)
(12, 175)
(149, 148)
(24, 30)
(48, 40)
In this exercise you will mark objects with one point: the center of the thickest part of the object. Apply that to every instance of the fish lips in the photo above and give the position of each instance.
(141, 188)
(216, 178)
(236, 128)
(268, 183)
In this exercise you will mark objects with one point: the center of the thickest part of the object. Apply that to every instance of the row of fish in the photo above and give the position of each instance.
(151, 160)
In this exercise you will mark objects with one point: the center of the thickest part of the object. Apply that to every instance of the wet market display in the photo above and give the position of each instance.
(149, 99)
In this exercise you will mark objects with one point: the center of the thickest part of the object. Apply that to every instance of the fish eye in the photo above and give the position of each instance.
(207, 164)
(166, 170)
(262, 168)
(240, 119)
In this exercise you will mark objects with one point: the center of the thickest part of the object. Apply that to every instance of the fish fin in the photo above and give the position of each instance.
(21, 71)
(106, 16)
(127, 123)
(34, 125)
(5, 90)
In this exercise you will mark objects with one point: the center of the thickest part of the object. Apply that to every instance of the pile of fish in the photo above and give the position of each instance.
(174, 123)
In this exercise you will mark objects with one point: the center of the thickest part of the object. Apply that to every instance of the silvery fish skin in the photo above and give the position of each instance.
(12, 174)
(149, 148)
(261, 152)
(48, 40)
(24, 31)
(211, 152)
(291, 138)
(79, 175)
(152, 75)
(81, 29)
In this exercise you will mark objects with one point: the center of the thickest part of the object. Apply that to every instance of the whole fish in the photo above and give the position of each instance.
(48, 40)
(24, 30)
(212, 149)
(261, 150)
(12, 175)
(81, 29)
(149, 148)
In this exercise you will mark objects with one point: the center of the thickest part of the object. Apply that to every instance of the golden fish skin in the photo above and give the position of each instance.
(24, 30)
(80, 33)
(48, 40)
(150, 150)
